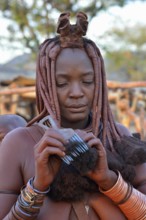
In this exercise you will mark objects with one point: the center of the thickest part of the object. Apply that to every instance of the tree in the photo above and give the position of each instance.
(32, 21)
(126, 51)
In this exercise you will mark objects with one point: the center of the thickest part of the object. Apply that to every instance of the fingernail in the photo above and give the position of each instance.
(66, 141)
(63, 153)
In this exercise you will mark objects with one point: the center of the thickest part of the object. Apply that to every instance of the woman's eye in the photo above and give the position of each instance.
(61, 84)
(88, 82)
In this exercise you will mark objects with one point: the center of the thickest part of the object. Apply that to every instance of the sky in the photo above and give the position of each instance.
(131, 13)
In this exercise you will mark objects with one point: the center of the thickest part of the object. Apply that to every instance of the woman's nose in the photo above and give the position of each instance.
(76, 90)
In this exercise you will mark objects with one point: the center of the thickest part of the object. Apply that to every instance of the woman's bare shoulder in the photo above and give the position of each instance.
(123, 130)
(19, 139)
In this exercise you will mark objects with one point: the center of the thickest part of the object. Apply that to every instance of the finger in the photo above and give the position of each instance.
(48, 141)
(55, 134)
(84, 135)
(89, 136)
(97, 143)
(48, 151)
(80, 132)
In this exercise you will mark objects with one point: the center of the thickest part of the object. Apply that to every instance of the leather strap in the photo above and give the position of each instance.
(36, 132)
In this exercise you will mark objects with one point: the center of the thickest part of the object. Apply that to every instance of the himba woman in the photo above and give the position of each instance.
(42, 175)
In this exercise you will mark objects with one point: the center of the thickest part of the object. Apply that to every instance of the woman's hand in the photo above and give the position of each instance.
(47, 162)
(102, 175)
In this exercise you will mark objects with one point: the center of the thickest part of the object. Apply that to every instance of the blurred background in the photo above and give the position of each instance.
(117, 26)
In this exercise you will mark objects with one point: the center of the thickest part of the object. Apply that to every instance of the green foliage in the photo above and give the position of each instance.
(126, 62)
(34, 20)
(127, 53)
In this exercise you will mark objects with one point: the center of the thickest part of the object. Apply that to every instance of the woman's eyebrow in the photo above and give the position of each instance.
(65, 74)
(88, 73)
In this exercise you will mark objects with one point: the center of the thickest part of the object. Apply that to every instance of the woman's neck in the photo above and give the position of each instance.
(77, 125)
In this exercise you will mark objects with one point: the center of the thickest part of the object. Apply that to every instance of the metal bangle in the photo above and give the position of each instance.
(127, 196)
(30, 183)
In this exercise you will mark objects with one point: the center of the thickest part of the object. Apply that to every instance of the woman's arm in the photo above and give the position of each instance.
(11, 179)
(130, 200)
(20, 159)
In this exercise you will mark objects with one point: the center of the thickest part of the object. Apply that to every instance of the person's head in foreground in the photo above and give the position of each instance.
(75, 161)
(8, 122)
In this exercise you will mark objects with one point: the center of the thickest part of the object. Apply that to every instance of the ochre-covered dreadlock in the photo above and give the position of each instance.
(71, 36)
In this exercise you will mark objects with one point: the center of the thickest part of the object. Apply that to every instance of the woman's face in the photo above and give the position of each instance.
(75, 87)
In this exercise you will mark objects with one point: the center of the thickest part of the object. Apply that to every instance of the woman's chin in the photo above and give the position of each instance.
(74, 121)
(78, 117)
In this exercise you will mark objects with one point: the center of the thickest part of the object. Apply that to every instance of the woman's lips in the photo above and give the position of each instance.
(77, 109)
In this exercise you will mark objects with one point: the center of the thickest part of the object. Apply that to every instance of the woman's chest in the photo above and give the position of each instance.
(101, 209)
(66, 211)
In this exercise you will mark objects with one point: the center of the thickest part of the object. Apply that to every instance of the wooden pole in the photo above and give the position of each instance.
(125, 85)
(18, 90)
(110, 84)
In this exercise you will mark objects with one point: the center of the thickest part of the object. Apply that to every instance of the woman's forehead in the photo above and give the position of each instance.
(72, 58)
(71, 52)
